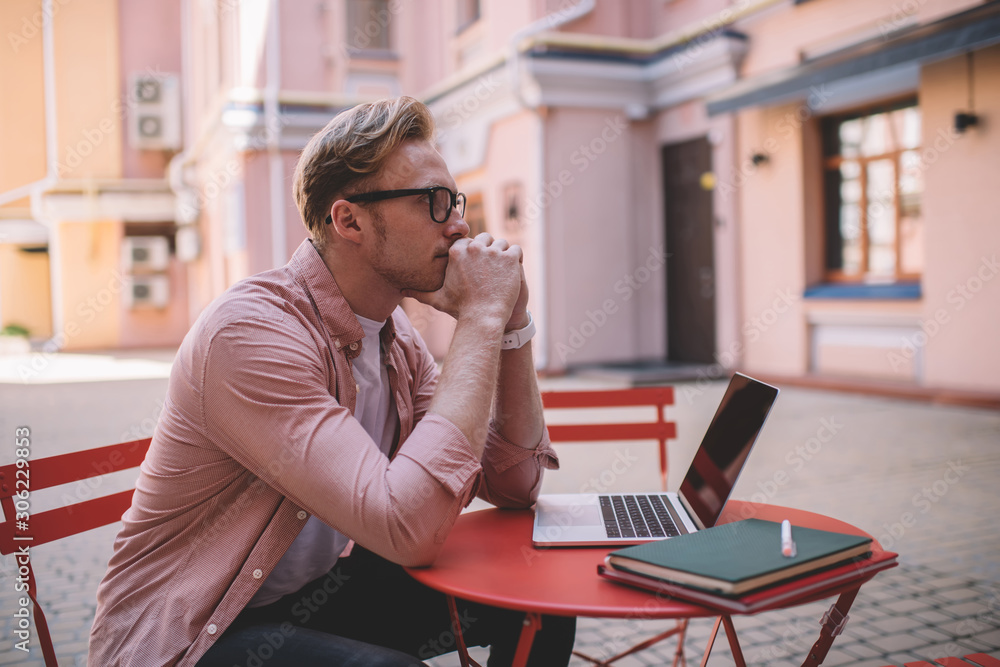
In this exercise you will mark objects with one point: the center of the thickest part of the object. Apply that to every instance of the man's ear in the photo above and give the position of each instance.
(344, 220)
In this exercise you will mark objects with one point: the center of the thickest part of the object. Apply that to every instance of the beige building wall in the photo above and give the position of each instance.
(24, 281)
(772, 241)
(960, 317)
(587, 208)
(91, 284)
(22, 115)
(88, 92)
(941, 340)
(785, 37)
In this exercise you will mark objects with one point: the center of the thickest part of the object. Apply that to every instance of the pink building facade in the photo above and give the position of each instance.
(799, 189)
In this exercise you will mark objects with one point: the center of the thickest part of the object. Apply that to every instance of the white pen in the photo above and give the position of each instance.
(787, 544)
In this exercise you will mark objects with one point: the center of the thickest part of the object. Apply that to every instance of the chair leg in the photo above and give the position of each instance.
(532, 624)
(734, 643)
(711, 641)
(463, 652)
(679, 658)
(833, 624)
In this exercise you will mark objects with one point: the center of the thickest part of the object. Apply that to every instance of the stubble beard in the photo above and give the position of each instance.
(397, 274)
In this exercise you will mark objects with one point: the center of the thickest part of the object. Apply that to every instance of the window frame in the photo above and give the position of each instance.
(830, 163)
(385, 34)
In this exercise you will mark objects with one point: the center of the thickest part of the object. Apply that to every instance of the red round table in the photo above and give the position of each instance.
(488, 557)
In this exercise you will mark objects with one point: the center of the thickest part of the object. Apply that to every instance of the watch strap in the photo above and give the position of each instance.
(513, 340)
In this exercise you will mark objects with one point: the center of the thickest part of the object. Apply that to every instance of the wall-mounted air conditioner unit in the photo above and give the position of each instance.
(147, 291)
(154, 120)
(142, 254)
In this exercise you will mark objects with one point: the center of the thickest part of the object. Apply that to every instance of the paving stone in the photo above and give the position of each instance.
(16, 657)
(932, 635)
(778, 663)
(976, 645)
(73, 648)
(933, 617)
(907, 605)
(836, 657)
(894, 624)
(964, 609)
(896, 642)
(860, 650)
(991, 638)
(901, 658)
(959, 594)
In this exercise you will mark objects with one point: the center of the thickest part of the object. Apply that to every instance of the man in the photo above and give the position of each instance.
(309, 447)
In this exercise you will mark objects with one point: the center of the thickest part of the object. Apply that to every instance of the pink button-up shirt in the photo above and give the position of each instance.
(257, 434)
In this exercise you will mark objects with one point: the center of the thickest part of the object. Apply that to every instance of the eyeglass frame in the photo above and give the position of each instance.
(456, 199)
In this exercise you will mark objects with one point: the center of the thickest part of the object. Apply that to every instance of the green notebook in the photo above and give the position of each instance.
(737, 557)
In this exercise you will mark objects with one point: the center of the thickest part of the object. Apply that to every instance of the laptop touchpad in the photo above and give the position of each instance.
(571, 515)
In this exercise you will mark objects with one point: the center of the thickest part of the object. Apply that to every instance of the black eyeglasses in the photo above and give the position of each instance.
(440, 199)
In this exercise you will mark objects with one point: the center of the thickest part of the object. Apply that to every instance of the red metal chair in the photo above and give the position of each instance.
(658, 429)
(19, 534)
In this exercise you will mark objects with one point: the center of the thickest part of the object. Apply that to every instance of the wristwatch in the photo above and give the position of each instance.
(513, 340)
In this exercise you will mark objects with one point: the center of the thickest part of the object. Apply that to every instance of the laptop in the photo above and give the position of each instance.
(619, 519)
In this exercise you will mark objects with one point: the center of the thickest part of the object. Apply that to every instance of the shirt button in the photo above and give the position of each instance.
(301, 514)
(212, 629)
(336, 344)
(357, 388)
(257, 574)
(353, 346)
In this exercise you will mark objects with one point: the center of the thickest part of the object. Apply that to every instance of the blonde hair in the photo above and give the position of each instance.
(353, 147)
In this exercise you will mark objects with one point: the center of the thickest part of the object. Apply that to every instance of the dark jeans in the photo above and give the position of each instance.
(368, 612)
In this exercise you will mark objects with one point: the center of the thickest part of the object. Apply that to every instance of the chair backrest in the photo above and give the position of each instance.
(53, 471)
(660, 429)
(21, 529)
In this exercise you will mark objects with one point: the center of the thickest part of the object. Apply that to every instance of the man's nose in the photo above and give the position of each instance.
(456, 226)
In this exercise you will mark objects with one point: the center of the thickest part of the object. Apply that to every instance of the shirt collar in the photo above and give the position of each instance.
(338, 318)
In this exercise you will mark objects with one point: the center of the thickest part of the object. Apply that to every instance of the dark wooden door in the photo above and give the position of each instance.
(691, 261)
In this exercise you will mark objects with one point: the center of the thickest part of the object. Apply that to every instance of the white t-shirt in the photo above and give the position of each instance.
(318, 546)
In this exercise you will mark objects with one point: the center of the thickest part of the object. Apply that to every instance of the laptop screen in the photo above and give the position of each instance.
(725, 447)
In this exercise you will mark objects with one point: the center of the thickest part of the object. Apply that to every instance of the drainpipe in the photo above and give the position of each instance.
(549, 22)
(272, 125)
(185, 191)
(37, 189)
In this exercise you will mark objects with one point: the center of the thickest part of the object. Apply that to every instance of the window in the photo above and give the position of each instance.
(368, 24)
(873, 186)
(468, 13)
(475, 214)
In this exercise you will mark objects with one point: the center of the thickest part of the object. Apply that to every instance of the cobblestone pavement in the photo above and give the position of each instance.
(921, 478)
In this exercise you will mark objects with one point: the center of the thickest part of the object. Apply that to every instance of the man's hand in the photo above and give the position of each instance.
(484, 290)
(484, 278)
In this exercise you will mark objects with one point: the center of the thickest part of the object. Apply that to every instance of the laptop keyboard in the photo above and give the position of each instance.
(637, 516)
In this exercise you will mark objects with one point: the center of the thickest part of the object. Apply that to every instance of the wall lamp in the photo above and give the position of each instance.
(967, 119)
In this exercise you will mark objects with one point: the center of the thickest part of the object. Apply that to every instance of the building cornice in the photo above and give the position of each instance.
(637, 87)
(119, 203)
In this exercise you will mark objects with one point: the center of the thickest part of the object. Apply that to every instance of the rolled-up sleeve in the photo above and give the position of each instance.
(513, 474)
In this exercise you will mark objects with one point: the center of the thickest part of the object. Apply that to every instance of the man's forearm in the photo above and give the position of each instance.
(468, 378)
(517, 412)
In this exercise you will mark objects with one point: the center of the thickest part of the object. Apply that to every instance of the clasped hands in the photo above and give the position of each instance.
(484, 279)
